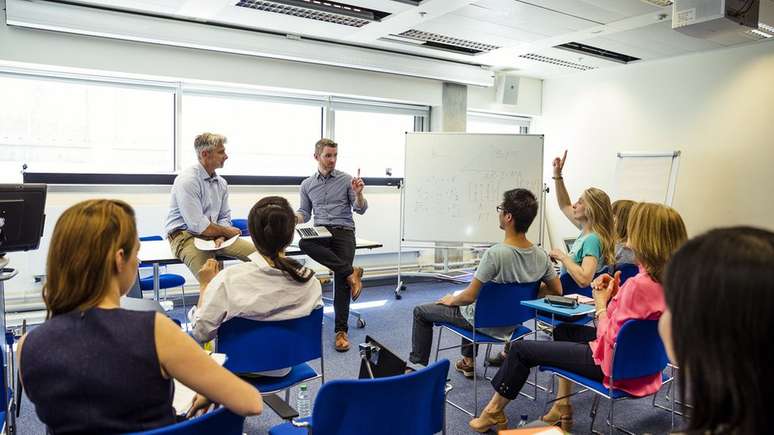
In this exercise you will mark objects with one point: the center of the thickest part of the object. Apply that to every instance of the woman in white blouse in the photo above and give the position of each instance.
(270, 286)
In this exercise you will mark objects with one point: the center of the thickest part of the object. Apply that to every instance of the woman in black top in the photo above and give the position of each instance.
(93, 367)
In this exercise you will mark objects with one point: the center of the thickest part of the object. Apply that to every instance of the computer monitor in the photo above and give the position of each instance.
(22, 216)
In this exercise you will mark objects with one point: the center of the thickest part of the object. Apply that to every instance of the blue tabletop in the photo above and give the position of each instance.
(541, 305)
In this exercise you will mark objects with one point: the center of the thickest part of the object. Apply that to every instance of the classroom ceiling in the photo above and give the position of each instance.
(510, 35)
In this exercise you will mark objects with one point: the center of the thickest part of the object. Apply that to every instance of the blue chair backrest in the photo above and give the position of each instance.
(639, 350)
(221, 421)
(569, 286)
(500, 304)
(627, 270)
(255, 346)
(242, 225)
(407, 404)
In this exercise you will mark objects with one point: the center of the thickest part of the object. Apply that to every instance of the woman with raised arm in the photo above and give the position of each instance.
(592, 213)
(93, 367)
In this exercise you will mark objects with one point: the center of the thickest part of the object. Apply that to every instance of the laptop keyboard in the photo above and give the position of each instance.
(307, 232)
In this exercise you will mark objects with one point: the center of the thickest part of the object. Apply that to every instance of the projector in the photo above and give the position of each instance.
(722, 21)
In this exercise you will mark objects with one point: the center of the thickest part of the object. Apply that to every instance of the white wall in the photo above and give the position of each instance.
(716, 107)
(30, 48)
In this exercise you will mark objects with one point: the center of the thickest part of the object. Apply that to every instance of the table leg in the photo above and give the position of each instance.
(156, 281)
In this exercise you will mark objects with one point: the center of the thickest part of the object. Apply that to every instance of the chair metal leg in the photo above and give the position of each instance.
(185, 310)
(475, 383)
(594, 409)
(487, 355)
(612, 408)
(438, 343)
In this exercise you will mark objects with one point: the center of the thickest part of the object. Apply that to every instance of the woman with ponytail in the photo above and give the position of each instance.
(270, 286)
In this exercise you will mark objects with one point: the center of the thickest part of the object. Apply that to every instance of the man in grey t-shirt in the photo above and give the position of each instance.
(516, 259)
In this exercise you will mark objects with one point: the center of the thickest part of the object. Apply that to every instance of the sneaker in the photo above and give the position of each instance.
(465, 369)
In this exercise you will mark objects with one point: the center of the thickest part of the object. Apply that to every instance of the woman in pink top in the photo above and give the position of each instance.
(655, 232)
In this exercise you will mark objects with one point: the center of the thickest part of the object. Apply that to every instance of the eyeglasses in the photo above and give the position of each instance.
(500, 208)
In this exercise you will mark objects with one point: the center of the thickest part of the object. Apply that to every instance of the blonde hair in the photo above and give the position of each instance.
(621, 210)
(655, 233)
(599, 212)
(81, 256)
(208, 141)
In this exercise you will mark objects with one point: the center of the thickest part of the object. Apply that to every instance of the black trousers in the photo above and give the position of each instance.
(422, 330)
(569, 351)
(336, 253)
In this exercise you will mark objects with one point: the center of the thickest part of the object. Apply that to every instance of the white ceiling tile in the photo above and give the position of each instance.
(652, 42)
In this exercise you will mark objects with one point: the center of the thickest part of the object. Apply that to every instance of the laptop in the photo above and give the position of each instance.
(568, 242)
(313, 232)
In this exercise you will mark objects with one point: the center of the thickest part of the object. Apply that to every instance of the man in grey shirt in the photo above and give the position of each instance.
(515, 260)
(199, 208)
(332, 196)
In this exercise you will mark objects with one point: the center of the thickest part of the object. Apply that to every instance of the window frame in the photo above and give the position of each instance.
(178, 89)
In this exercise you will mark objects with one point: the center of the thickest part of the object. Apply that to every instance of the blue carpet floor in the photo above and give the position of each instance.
(389, 321)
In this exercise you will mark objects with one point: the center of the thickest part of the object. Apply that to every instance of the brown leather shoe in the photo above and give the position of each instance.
(342, 342)
(355, 283)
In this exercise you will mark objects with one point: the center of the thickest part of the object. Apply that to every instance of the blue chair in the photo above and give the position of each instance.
(242, 225)
(257, 346)
(638, 352)
(221, 422)
(407, 404)
(627, 270)
(166, 280)
(498, 305)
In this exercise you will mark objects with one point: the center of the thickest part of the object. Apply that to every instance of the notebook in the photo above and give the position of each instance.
(184, 396)
(313, 232)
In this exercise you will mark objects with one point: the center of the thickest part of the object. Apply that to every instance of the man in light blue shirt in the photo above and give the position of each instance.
(332, 196)
(199, 208)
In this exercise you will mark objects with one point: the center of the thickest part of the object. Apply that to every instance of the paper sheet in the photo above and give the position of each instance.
(209, 245)
(184, 395)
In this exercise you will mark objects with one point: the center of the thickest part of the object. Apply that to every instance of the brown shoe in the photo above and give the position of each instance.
(464, 368)
(355, 283)
(559, 415)
(342, 342)
(488, 420)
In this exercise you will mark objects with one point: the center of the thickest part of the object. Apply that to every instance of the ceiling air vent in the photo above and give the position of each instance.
(441, 42)
(557, 62)
(577, 47)
(320, 10)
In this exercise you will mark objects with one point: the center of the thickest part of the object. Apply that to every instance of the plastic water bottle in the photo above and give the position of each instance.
(303, 404)
(524, 420)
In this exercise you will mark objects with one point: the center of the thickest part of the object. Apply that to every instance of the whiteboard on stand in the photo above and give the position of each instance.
(647, 176)
(453, 183)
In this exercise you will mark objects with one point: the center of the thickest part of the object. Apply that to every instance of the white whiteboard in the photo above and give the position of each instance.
(648, 177)
(453, 183)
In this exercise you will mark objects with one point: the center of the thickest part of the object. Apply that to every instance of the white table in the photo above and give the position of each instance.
(159, 252)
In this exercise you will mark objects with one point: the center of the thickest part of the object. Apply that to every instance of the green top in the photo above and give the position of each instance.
(586, 245)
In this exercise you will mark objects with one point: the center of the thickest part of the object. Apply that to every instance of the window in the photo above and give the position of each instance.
(264, 137)
(76, 126)
(490, 123)
(373, 142)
